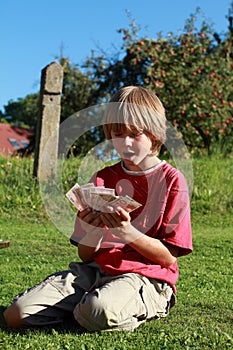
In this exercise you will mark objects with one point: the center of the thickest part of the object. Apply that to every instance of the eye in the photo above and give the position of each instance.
(117, 134)
(136, 134)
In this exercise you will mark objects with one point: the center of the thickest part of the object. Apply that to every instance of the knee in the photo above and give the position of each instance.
(12, 317)
(91, 314)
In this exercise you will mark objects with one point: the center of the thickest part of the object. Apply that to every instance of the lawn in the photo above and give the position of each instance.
(202, 318)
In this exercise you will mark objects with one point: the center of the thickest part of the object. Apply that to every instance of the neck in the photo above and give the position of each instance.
(147, 163)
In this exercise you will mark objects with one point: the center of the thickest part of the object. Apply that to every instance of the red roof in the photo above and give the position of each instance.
(13, 138)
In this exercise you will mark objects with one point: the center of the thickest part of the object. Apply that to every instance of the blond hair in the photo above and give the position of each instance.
(134, 108)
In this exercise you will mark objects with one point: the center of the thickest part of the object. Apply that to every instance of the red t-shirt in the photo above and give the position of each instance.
(164, 214)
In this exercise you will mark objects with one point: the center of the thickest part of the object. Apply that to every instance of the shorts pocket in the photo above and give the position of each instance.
(157, 296)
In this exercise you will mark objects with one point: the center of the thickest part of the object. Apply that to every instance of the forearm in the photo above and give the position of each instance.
(120, 225)
(149, 247)
(89, 245)
(153, 249)
(86, 253)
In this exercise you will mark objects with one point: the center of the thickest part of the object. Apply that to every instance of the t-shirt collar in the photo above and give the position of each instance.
(145, 172)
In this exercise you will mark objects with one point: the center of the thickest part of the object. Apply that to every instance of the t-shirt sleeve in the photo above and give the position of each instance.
(176, 226)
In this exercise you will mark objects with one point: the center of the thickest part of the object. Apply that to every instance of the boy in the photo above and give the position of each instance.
(129, 260)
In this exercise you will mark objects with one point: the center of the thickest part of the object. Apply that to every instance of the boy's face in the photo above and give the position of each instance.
(134, 147)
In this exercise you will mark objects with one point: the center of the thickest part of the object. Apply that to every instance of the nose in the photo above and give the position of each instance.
(127, 140)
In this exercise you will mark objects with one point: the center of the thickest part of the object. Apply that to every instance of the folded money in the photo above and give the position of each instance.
(97, 197)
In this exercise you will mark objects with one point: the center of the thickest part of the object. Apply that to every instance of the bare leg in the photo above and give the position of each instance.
(13, 318)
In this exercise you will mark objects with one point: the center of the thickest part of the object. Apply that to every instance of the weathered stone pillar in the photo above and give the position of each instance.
(47, 133)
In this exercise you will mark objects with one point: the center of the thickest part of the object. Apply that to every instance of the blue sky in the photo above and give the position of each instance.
(33, 32)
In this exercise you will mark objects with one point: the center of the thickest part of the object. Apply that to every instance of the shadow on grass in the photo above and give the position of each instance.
(69, 326)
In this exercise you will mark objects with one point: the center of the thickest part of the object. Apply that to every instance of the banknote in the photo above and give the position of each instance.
(97, 197)
(76, 197)
(125, 202)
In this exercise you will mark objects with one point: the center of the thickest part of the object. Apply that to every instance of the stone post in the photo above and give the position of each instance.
(47, 132)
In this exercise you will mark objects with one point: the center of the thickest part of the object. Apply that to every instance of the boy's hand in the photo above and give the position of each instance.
(93, 226)
(118, 221)
(116, 218)
(89, 219)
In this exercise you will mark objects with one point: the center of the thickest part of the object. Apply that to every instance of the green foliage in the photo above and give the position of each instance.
(19, 193)
(191, 72)
(18, 188)
(77, 89)
(24, 111)
(188, 71)
(78, 94)
(212, 188)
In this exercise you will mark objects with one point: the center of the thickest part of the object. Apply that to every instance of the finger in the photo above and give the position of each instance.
(108, 209)
(110, 220)
(90, 213)
(105, 219)
(97, 221)
(123, 213)
(117, 216)
(83, 213)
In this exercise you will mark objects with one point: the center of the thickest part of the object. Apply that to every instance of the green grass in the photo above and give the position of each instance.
(202, 318)
(19, 195)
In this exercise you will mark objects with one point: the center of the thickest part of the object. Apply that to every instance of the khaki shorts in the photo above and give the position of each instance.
(96, 300)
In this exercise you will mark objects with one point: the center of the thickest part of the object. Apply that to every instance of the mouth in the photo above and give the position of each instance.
(127, 155)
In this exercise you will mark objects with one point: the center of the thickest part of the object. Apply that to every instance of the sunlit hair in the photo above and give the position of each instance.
(136, 109)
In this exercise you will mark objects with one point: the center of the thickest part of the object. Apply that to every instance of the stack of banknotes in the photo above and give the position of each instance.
(97, 197)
